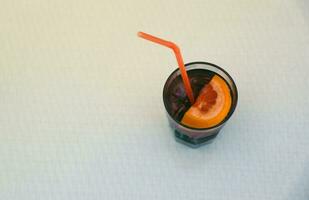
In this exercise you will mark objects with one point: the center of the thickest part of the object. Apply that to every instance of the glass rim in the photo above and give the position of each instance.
(232, 109)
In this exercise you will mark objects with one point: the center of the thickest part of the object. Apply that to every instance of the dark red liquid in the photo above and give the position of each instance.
(176, 98)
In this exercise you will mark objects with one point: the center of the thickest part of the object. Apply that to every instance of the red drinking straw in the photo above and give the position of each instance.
(181, 65)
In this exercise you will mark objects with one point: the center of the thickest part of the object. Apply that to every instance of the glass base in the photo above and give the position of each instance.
(194, 142)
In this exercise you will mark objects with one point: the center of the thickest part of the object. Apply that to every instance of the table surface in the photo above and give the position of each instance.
(81, 112)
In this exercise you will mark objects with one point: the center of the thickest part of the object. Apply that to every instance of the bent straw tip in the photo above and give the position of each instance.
(139, 34)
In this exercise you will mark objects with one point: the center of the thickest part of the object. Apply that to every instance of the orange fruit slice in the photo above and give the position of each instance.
(211, 106)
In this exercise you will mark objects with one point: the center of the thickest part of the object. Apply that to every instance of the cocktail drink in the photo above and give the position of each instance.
(215, 95)
(199, 98)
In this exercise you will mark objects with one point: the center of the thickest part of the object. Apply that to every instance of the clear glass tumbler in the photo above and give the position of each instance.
(177, 103)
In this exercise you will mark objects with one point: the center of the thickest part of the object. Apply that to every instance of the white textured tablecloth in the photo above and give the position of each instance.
(81, 112)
